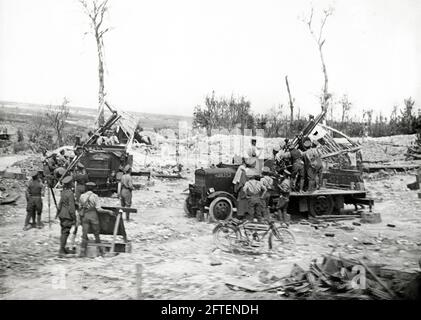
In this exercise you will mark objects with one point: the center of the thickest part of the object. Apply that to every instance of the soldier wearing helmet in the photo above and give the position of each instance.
(89, 208)
(34, 193)
(126, 188)
(66, 211)
(282, 205)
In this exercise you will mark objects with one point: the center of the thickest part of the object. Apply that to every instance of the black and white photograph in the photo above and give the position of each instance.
(228, 152)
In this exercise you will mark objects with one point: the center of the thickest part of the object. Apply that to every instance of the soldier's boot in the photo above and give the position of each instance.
(279, 215)
(34, 223)
(27, 226)
(63, 241)
(39, 223)
(101, 251)
(286, 217)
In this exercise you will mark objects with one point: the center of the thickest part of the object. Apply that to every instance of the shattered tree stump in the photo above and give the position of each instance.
(370, 217)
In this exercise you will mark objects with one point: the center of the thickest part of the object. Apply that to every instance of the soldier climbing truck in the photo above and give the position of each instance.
(213, 191)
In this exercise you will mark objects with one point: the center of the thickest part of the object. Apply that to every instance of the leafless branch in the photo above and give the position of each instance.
(327, 14)
(103, 32)
(320, 42)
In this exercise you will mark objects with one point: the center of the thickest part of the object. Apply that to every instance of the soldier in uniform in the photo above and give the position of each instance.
(111, 139)
(282, 205)
(34, 193)
(126, 189)
(90, 207)
(298, 173)
(255, 192)
(62, 159)
(239, 180)
(267, 181)
(66, 211)
(81, 178)
(313, 166)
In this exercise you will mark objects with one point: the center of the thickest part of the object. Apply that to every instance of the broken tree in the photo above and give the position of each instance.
(95, 10)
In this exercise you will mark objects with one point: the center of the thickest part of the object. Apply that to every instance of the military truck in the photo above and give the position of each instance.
(212, 190)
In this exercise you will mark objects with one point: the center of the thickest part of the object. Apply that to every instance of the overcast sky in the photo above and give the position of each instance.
(165, 56)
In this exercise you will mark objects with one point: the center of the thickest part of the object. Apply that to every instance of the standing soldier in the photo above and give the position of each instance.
(255, 192)
(126, 186)
(81, 178)
(90, 206)
(267, 181)
(253, 153)
(298, 173)
(313, 166)
(282, 205)
(239, 180)
(34, 193)
(66, 211)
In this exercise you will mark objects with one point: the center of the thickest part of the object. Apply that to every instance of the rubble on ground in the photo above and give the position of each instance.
(32, 163)
(414, 150)
(335, 277)
(9, 191)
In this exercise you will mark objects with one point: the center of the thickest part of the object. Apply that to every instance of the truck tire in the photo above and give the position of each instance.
(321, 205)
(220, 209)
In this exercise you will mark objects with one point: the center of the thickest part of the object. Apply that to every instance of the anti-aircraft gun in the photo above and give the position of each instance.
(308, 129)
(102, 162)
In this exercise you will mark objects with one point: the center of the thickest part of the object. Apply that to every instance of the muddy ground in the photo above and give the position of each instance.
(177, 254)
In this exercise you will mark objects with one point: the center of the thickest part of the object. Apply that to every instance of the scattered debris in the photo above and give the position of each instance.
(391, 225)
(370, 217)
(339, 278)
(337, 217)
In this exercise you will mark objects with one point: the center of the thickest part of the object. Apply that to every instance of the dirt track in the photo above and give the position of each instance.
(176, 252)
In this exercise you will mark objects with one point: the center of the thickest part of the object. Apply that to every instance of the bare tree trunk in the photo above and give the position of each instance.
(101, 88)
(95, 10)
(291, 104)
(326, 94)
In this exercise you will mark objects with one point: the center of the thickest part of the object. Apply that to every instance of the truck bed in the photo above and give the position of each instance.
(328, 191)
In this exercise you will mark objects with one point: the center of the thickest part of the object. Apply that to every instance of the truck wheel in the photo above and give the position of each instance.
(187, 208)
(321, 205)
(220, 209)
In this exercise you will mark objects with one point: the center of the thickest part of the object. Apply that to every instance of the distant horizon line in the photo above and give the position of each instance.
(45, 105)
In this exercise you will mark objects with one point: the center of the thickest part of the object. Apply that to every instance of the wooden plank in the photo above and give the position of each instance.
(117, 224)
(392, 294)
(329, 192)
(339, 216)
(340, 152)
(166, 176)
(116, 209)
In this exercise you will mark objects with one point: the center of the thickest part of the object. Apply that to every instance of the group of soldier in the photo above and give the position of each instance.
(109, 139)
(78, 205)
(305, 163)
(254, 192)
(295, 168)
